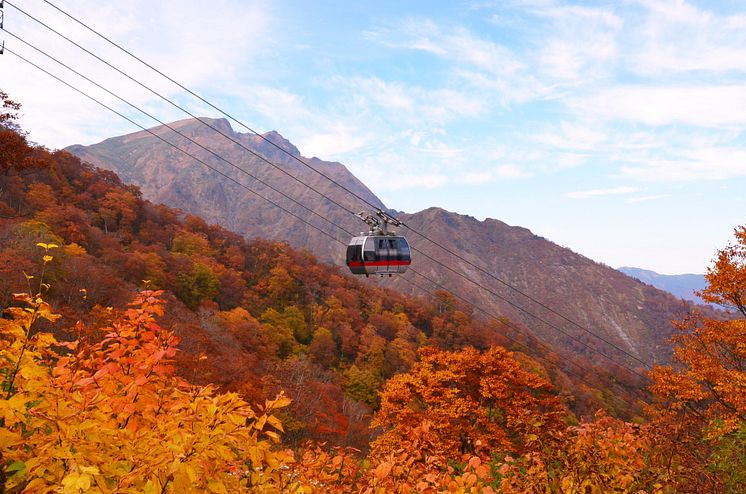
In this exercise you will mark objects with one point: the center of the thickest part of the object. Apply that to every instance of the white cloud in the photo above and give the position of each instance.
(478, 61)
(275, 104)
(171, 26)
(510, 171)
(601, 192)
(476, 178)
(501, 172)
(691, 165)
(582, 45)
(406, 103)
(710, 105)
(416, 181)
(334, 141)
(679, 37)
(572, 135)
(456, 44)
(647, 198)
(570, 160)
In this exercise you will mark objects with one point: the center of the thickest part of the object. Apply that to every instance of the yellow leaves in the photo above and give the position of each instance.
(275, 422)
(152, 487)
(13, 410)
(259, 424)
(184, 476)
(74, 250)
(280, 401)
(216, 487)
(9, 438)
(79, 481)
(47, 258)
(46, 247)
(119, 399)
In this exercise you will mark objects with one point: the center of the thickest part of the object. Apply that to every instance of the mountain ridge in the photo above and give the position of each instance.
(630, 321)
(681, 285)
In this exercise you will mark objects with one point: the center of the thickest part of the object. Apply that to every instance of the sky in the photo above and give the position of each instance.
(616, 129)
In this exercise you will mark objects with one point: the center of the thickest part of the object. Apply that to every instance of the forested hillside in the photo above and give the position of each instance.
(144, 350)
(631, 319)
(253, 316)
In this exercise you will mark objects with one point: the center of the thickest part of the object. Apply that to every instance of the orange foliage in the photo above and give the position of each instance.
(476, 402)
(701, 400)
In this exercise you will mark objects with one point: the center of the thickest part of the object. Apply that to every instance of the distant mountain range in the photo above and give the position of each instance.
(681, 285)
(570, 301)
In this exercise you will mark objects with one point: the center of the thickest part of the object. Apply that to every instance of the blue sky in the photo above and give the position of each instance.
(613, 128)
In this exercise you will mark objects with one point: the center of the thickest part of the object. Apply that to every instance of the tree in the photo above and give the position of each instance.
(323, 349)
(9, 112)
(112, 416)
(701, 398)
(201, 284)
(474, 401)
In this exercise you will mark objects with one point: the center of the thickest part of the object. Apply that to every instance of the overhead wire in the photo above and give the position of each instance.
(200, 119)
(176, 131)
(187, 153)
(305, 164)
(644, 397)
(208, 103)
(507, 324)
(446, 249)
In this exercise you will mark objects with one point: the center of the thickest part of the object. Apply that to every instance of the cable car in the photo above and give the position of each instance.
(378, 254)
(379, 251)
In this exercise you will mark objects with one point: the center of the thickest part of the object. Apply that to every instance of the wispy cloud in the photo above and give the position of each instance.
(582, 46)
(456, 44)
(705, 105)
(679, 37)
(691, 165)
(170, 26)
(601, 192)
(572, 135)
(633, 200)
(508, 171)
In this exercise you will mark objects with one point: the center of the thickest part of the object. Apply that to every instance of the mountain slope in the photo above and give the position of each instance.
(169, 176)
(681, 285)
(632, 318)
(253, 316)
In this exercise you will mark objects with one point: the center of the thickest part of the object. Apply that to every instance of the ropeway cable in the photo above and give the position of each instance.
(348, 210)
(168, 126)
(333, 181)
(580, 377)
(201, 120)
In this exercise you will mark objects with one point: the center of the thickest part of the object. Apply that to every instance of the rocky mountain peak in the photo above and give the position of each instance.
(277, 139)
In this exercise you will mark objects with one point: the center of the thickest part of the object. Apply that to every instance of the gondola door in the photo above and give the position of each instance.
(383, 252)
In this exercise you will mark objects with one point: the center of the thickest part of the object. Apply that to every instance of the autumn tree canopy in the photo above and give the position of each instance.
(702, 396)
(473, 400)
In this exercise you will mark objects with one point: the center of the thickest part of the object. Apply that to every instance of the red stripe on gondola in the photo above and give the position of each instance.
(357, 264)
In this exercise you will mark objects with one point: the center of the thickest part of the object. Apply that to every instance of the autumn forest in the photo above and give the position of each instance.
(144, 350)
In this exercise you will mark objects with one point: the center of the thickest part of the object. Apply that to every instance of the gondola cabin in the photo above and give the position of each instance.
(378, 254)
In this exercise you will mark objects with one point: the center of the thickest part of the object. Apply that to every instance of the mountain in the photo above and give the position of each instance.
(254, 317)
(681, 285)
(165, 175)
(555, 290)
(573, 303)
